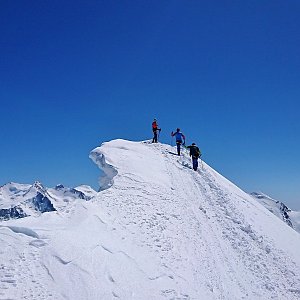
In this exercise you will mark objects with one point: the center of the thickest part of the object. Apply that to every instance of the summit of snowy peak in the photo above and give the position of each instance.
(38, 186)
(59, 186)
(34, 189)
(87, 191)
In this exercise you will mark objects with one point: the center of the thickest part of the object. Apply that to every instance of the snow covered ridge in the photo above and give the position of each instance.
(157, 230)
(279, 209)
(160, 198)
(22, 200)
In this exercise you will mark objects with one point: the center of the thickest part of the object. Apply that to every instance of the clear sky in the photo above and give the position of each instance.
(76, 73)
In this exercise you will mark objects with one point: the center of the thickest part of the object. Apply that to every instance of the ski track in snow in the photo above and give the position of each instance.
(178, 236)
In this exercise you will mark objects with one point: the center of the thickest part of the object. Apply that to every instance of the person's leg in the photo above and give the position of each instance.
(154, 134)
(155, 137)
(178, 148)
(195, 163)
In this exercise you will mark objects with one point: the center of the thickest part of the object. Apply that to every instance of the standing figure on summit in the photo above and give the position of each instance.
(179, 139)
(155, 129)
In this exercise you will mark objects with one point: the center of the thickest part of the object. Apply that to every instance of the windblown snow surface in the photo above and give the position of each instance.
(157, 230)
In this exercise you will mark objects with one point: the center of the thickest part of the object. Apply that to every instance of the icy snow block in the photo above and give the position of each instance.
(106, 180)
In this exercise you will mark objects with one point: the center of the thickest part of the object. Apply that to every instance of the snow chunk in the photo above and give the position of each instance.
(23, 230)
(110, 172)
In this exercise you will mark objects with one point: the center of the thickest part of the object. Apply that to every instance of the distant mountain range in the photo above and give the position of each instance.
(279, 209)
(22, 200)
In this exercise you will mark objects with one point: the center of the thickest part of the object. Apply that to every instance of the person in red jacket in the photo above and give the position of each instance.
(155, 130)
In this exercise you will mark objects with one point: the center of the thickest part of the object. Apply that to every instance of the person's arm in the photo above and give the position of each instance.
(183, 139)
(188, 147)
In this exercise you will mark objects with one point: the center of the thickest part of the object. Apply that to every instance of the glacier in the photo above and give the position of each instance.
(155, 230)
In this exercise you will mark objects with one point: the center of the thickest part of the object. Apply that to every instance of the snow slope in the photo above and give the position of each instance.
(157, 230)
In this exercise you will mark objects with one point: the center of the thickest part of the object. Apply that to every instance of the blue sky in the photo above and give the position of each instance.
(76, 73)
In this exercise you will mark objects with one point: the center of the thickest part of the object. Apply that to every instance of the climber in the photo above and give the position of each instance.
(179, 139)
(155, 129)
(195, 153)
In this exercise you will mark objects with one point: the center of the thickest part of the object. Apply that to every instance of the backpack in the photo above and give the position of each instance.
(197, 152)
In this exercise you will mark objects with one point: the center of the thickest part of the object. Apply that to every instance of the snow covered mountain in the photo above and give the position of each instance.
(279, 209)
(156, 230)
(23, 200)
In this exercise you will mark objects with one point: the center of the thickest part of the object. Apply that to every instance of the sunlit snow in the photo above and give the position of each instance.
(156, 230)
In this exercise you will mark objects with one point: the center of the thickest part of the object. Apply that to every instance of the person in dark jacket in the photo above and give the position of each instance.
(180, 139)
(195, 153)
(155, 130)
